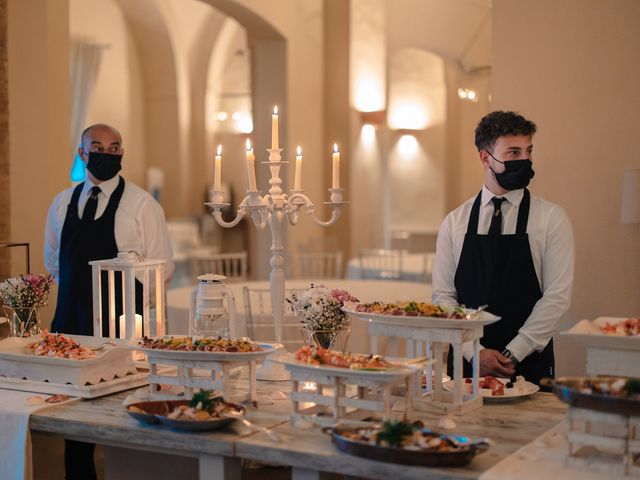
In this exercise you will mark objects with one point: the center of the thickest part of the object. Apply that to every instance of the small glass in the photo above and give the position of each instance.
(328, 339)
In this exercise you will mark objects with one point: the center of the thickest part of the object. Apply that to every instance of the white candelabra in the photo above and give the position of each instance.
(274, 209)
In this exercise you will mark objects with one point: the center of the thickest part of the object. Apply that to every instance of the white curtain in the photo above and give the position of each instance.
(85, 64)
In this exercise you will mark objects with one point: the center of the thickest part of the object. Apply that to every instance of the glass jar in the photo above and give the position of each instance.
(23, 321)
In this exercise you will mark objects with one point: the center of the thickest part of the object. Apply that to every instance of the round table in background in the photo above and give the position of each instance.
(179, 299)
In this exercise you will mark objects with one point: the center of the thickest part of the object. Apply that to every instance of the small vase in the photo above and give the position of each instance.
(329, 339)
(24, 321)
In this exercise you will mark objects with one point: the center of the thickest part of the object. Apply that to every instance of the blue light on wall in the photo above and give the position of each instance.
(78, 170)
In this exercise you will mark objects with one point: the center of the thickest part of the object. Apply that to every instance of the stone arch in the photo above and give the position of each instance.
(269, 87)
(162, 118)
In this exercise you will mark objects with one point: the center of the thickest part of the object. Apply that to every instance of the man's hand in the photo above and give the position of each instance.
(494, 363)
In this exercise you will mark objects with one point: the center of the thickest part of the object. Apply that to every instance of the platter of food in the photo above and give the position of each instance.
(495, 389)
(202, 413)
(59, 358)
(608, 332)
(420, 314)
(617, 395)
(177, 347)
(320, 360)
(406, 443)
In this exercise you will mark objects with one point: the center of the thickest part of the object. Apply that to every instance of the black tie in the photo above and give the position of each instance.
(496, 219)
(92, 205)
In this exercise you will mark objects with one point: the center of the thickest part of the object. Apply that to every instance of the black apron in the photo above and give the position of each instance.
(80, 243)
(498, 271)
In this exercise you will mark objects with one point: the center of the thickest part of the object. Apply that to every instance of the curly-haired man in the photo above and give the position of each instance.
(510, 250)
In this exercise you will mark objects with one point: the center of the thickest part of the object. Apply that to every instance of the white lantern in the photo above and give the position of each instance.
(132, 266)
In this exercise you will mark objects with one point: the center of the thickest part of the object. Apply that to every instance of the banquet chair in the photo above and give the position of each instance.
(381, 264)
(231, 265)
(428, 260)
(318, 265)
(259, 319)
(184, 236)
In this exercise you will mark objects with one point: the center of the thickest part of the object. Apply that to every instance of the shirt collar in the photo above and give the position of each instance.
(107, 187)
(514, 197)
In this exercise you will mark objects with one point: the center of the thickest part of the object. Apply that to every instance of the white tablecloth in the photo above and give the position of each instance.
(15, 436)
(413, 265)
(178, 300)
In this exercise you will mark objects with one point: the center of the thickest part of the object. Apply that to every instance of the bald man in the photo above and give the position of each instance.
(94, 221)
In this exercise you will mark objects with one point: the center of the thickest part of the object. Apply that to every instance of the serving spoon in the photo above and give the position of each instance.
(256, 428)
(476, 313)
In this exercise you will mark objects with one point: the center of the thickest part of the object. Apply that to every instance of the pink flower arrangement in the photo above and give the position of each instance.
(31, 290)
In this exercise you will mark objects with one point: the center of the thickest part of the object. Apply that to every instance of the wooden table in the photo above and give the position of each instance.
(308, 451)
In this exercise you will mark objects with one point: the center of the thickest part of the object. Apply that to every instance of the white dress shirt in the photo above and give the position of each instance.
(139, 223)
(552, 251)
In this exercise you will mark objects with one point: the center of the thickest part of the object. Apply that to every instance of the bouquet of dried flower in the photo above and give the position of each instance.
(31, 290)
(320, 308)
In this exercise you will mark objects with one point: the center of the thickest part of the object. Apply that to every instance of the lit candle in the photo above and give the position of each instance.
(297, 185)
(336, 167)
(274, 129)
(217, 172)
(251, 167)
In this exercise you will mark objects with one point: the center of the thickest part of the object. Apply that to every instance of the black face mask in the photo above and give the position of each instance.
(104, 166)
(516, 175)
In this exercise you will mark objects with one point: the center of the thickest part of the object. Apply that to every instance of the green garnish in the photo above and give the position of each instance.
(393, 431)
(411, 307)
(632, 386)
(204, 397)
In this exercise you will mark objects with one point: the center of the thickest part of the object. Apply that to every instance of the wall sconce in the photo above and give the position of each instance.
(368, 55)
(468, 94)
(373, 118)
(631, 196)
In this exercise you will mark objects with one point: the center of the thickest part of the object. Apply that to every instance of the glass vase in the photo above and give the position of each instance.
(329, 339)
(24, 321)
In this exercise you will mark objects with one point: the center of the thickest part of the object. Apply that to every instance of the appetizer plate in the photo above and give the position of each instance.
(429, 458)
(480, 319)
(17, 360)
(265, 349)
(382, 374)
(589, 334)
(524, 390)
(15, 348)
(154, 412)
(570, 390)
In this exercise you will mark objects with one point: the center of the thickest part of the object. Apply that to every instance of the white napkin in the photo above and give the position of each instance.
(15, 440)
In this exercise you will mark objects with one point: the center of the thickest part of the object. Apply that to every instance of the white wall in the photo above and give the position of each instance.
(118, 98)
(572, 67)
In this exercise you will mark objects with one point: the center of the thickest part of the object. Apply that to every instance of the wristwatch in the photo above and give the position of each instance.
(507, 353)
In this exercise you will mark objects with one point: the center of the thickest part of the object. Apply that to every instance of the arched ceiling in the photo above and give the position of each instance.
(457, 30)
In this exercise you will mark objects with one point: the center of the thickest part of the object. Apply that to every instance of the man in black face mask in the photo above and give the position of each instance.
(94, 221)
(511, 251)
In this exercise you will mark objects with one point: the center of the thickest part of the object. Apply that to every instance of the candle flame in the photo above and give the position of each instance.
(335, 147)
(299, 150)
(275, 110)
(219, 150)
(248, 144)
